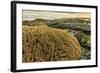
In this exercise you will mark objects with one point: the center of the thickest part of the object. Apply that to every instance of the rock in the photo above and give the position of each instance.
(79, 28)
(85, 54)
(84, 39)
(74, 26)
(35, 22)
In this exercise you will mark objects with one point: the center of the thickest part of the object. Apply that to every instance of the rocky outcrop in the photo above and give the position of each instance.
(79, 28)
(73, 26)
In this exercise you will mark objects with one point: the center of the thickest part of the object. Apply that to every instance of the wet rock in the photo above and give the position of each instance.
(84, 39)
(85, 54)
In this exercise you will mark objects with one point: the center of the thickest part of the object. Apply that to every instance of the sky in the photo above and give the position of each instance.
(34, 14)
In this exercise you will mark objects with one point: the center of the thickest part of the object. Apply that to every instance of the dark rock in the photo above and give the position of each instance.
(85, 54)
(74, 26)
(84, 39)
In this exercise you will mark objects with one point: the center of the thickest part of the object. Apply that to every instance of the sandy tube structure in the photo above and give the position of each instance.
(42, 43)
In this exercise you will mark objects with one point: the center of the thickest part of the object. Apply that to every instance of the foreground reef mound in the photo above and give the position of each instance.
(43, 43)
